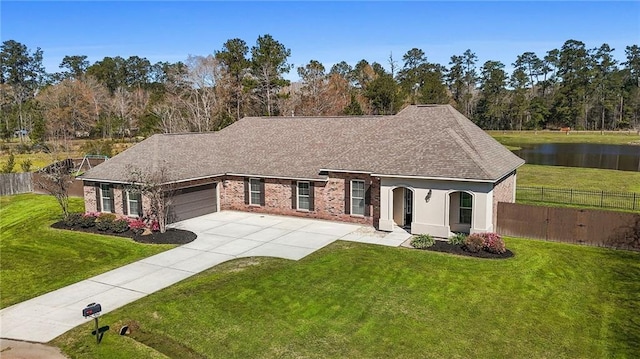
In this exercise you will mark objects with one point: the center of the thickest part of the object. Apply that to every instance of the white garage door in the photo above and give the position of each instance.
(193, 202)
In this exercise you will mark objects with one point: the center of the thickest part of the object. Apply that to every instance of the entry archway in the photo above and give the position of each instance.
(403, 206)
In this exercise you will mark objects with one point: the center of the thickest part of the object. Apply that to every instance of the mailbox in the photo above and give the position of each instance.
(91, 310)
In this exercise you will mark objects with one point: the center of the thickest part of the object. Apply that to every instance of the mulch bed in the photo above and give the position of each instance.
(171, 236)
(444, 247)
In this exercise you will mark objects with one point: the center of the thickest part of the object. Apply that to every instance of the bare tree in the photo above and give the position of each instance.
(56, 179)
(156, 187)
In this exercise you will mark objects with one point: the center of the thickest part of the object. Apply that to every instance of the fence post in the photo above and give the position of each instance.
(542, 194)
(634, 201)
(602, 198)
(571, 198)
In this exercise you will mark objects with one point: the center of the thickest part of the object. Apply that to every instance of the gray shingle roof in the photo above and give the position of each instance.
(424, 141)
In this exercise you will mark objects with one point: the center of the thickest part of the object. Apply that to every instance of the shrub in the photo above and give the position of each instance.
(104, 222)
(104, 225)
(120, 225)
(137, 225)
(88, 220)
(422, 241)
(474, 243)
(73, 219)
(106, 217)
(26, 165)
(457, 239)
(8, 167)
(494, 243)
(154, 225)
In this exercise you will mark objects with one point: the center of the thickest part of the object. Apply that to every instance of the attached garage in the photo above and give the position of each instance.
(193, 202)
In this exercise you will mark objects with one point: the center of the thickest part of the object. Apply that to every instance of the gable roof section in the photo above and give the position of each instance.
(422, 141)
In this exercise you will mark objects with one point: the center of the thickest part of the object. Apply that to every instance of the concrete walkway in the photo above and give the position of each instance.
(222, 236)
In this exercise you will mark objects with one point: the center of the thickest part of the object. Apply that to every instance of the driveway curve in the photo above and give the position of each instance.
(222, 236)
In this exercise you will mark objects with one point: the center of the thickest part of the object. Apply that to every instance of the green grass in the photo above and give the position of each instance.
(514, 139)
(353, 300)
(578, 178)
(36, 259)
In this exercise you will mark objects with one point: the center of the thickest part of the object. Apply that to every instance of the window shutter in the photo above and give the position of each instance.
(112, 200)
(311, 188)
(347, 196)
(98, 199)
(125, 199)
(140, 214)
(294, 195)
(246, 191)
(367, 200)
(262, 191)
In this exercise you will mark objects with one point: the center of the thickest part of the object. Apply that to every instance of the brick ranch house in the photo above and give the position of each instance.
(427, 169)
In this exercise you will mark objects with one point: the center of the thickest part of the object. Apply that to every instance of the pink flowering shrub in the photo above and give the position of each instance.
(154, 225)
(493, 243)
(136, 225)
(490, 242)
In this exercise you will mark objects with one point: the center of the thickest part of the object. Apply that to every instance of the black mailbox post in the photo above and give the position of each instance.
(93, 310)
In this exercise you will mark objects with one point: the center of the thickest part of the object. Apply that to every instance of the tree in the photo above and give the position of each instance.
(56, 179)
(383, 95)
(411, 75)
(268, 64)
(23, 72)
(354, 108)
(75, 65)
(156, 187)
(314, 94)
(492, 105)
(606, 82)
(68, 108)
(233, 57)
(470, 77)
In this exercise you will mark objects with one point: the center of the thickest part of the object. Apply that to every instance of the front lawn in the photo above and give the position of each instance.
(352, 300)
(36, 259)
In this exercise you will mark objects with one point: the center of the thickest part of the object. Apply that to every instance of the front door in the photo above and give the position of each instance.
(408, 205)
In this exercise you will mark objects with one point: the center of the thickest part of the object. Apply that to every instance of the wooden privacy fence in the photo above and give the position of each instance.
(570, 225)
(604, 199)
(15, 183)
(75, 190)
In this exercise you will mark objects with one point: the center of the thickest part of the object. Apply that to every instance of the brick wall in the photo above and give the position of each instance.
(329, 198)
(503, 191)
(90, 199)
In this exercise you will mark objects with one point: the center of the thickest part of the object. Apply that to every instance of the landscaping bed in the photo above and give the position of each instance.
(444, 247)
(171, 236)
(479, 245)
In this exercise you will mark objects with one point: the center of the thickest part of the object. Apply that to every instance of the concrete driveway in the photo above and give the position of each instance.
(222, 236)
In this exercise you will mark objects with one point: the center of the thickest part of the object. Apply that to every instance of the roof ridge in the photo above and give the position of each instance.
(471, 149)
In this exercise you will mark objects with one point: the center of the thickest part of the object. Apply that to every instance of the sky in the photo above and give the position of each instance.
(329, 32)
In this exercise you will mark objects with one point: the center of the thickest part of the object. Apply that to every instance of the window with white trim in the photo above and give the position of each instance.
(304, 190)
(357, 197)
(106, 198)
(466, 204)
(255, 191)
(133, 204)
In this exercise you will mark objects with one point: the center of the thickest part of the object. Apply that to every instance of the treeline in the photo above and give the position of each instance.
(572, 86)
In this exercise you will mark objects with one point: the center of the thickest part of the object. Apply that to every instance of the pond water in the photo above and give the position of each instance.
(591, 155)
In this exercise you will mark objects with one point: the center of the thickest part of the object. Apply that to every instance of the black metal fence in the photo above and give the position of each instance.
(602, 199)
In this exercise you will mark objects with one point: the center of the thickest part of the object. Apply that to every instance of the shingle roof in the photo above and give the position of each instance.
(424, 141)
